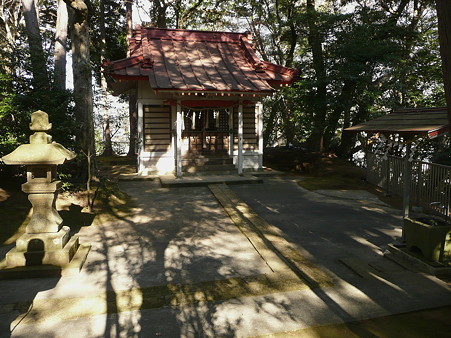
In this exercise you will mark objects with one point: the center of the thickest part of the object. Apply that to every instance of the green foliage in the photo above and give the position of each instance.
(115, 32)
(12, 121)
(16, 107)
(18, 97)
(439, 150)
(375, 58)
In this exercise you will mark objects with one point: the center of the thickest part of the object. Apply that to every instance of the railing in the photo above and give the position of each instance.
(430, 187)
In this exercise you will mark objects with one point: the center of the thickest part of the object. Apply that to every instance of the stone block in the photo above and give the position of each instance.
(433, 241)
(57, 257)
(50, 241)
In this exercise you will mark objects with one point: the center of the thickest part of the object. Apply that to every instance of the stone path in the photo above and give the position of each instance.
(266, 258)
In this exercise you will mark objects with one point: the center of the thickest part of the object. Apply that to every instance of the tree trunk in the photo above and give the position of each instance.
(269, 123)
(160, 13)
(37, 56)
(320, 107)
(444, 33)
(133, 114)
(60, 46)
(10, 17)
(108, 151)
(129, 20)
(133, 124)
(344, 104)
(81, 67)
(347, 139)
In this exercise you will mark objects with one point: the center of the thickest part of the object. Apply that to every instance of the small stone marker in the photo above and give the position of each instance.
(46, 241)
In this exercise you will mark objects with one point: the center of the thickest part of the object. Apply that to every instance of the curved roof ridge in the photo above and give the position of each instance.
(195, 56)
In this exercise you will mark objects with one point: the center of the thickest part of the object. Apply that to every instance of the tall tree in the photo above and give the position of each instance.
(81, 68)
(315, 40)
(444, 29)
(60, 45)
(9, 26)
(108, 150)
(132, 99)
(37, 56)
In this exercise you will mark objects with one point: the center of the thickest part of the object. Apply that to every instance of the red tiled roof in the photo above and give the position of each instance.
(189, 60)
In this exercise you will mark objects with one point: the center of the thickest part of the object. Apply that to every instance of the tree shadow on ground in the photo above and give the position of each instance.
(174, 270)
(157, 258)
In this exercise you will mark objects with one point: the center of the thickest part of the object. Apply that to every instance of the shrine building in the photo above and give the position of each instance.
(199, 96)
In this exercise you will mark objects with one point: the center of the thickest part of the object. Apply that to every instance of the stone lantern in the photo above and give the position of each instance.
(46, 241)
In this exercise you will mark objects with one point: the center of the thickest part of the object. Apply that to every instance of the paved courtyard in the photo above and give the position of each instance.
(212, 261)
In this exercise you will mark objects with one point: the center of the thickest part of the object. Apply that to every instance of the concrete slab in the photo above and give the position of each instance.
(361, 195)
(137, 177)
(401, 255)
(194, 181)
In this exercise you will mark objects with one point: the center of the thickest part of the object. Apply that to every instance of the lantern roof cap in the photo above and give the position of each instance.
(41, 150)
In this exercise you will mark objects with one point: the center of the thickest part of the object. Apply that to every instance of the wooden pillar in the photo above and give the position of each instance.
(178, 141)
(259, 113)
(240, 138)
(141, 137)
(444, 34)
(231, 136)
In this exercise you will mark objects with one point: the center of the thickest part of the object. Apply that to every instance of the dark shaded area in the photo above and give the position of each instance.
(75, 219)
(425, 323)
(21, 309)
(35, 252)
(14, 205)
(294, 158)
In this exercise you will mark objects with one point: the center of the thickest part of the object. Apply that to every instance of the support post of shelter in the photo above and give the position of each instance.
(178, 131)
(407, 183)
(240, 138)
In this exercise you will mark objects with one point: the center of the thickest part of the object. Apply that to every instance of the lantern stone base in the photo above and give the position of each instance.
(46, 270)
(47, 250)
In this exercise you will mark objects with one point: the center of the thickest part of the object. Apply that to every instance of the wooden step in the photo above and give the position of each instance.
(207, 160)
(211, 173)
(209, 168)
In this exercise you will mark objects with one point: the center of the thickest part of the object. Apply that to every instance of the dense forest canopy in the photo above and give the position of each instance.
(358, 59)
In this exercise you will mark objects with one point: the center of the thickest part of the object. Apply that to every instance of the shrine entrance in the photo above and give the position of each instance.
(207, 130)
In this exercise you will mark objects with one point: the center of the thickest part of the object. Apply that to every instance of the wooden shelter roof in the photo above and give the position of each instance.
(429, 122)
(197, 61)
